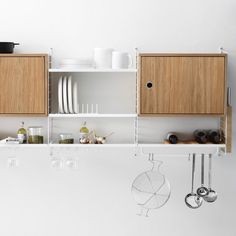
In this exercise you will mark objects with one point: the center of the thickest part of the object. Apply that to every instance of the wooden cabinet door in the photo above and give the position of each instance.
(23, 83)
(182, 85)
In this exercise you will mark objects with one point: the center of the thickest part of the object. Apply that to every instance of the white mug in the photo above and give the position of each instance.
(121, 60)
(103, 57)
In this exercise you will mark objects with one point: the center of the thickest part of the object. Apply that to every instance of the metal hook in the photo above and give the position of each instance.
(189, 156)
(149, 156)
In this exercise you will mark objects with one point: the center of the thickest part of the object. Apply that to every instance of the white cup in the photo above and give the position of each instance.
(103, 57)
(121, 60)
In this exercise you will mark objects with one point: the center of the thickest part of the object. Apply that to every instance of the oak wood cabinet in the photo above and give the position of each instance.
(23, 84)
(182, 84)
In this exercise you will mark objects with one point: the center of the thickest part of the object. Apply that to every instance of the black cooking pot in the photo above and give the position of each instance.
(7, 47)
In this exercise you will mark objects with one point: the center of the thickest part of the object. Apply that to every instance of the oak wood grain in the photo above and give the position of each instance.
(182, 84)
(226, 128)
(23, 83)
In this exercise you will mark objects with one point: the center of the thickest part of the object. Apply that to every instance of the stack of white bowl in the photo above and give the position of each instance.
(71, 63)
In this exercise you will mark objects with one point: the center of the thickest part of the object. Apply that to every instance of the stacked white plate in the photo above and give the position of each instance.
(75, 63)
(67, 95)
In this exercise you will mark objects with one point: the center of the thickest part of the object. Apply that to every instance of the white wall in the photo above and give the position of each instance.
(95, 199)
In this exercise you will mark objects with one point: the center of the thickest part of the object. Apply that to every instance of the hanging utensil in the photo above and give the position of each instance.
(212, 195)
(192, 200)
(151, 189)
(202, 191)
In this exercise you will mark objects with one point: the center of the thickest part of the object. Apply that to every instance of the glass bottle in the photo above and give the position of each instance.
(83, 133)
(22, 134)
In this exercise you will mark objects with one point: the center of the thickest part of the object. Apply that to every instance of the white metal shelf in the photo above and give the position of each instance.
(77, 145)
(60, 70)
(181, 149)
(92, 115)
(180, 145)
(159, 149)
(2, 145)
(107, 145)
(146, 145)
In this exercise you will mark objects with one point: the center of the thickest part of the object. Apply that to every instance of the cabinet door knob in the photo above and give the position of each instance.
(149, 84)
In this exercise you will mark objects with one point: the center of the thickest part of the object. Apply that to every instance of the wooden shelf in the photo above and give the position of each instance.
(187, 142)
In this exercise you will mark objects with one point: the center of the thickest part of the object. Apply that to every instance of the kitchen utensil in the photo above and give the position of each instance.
(84, 140)
(75, 96)
(103, 58)
(60, 96)
(70, 95)
(10, 140)
(65, 95)
(227, 129)
(192, 200)
(228, 96)
(121, 60)
(212, 195)
(102, 139)
(151, 189)
(202, 191)
(7, 47)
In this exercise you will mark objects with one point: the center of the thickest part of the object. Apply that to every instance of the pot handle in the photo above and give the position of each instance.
(16, 44)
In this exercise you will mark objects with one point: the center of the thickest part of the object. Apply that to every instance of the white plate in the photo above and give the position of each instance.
(65, 95)
(70, 95)
(60, 96)
(75, 97)
(68, 67)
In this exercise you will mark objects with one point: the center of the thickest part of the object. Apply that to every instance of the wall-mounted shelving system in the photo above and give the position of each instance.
(117, 92)
(90, 80)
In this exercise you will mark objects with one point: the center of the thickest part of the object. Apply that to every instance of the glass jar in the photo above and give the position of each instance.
(35, 135)
(66, 139)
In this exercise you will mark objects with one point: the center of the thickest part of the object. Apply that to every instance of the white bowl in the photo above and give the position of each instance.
(76, 61)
